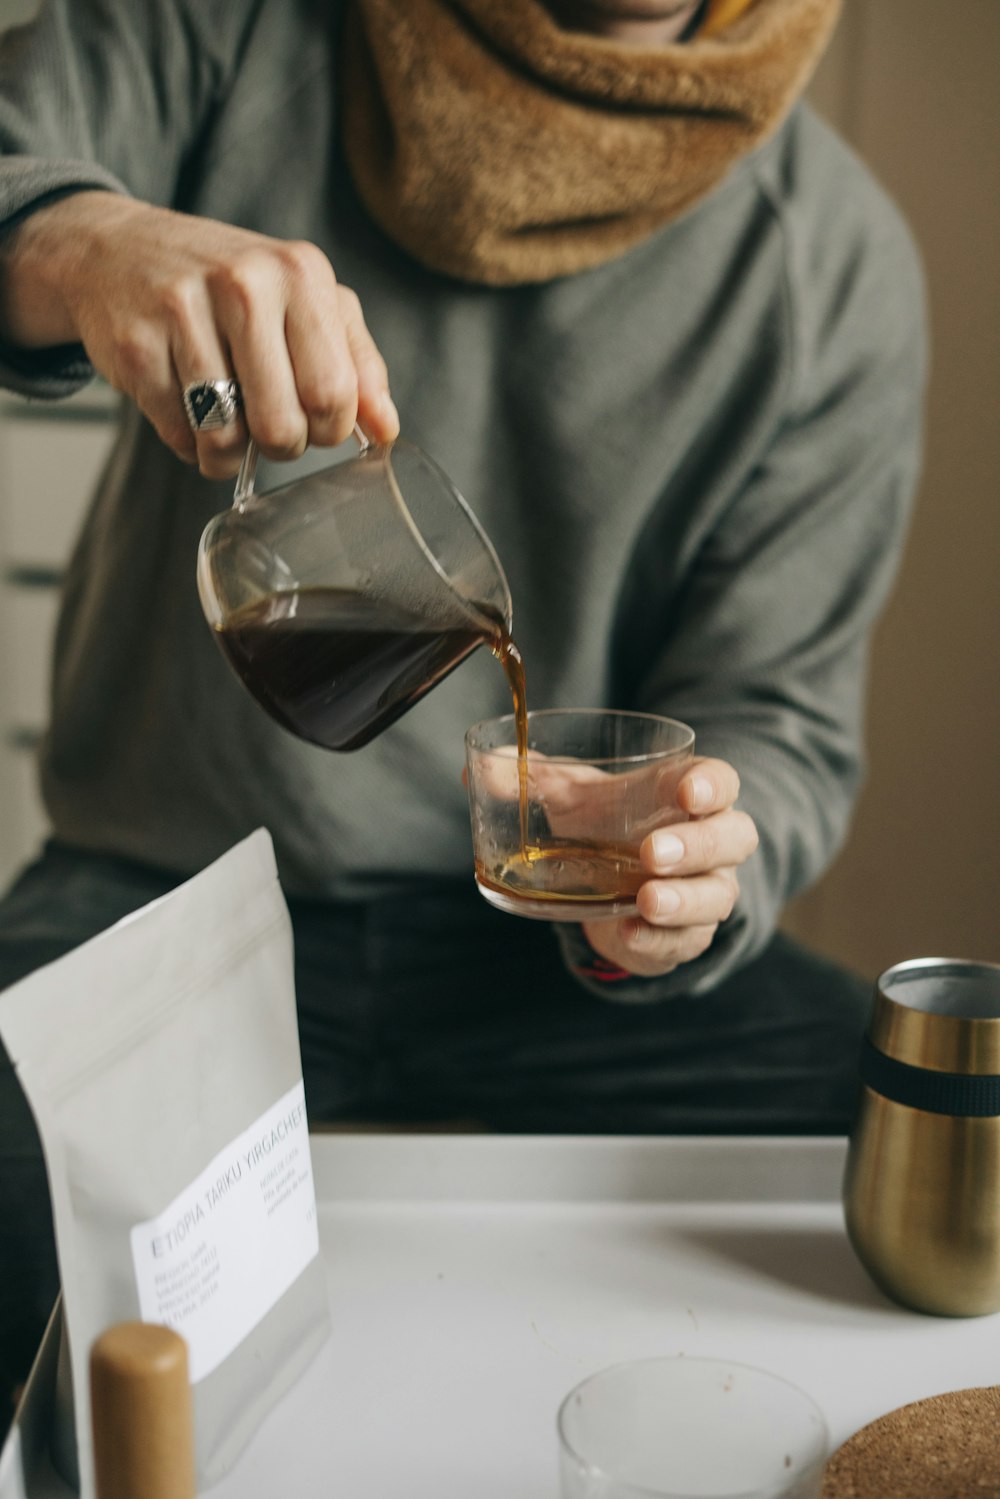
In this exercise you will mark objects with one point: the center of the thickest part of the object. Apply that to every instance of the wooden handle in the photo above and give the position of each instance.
(141, 1413)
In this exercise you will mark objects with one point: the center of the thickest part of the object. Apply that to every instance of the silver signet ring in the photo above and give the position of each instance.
(212, 403)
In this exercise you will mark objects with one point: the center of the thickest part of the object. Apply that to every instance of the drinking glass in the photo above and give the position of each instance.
(558, 837)
(342, 598)
(690, 1428)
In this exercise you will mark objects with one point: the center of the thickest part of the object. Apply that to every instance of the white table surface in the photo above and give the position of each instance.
(475, 1279)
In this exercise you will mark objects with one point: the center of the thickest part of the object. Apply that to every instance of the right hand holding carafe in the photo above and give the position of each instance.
(160, 300)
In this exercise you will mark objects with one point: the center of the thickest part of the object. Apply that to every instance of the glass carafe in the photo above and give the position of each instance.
(343, 597)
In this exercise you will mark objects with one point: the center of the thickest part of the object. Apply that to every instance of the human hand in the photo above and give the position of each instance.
(160, 300)
(693, 883)
(694, 840)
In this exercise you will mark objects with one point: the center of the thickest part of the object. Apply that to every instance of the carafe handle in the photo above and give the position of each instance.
(248, 469)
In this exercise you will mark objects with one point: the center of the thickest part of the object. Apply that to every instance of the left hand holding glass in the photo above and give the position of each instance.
(692, 885)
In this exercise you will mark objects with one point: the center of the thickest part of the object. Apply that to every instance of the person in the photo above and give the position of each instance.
(666, 334)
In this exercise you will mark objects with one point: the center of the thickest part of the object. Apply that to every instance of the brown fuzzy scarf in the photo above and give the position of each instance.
(497, 148)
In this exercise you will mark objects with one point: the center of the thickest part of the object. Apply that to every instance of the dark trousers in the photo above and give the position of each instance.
(428, 1006)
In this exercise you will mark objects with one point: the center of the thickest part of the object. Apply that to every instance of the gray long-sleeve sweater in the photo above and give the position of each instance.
(695, 463)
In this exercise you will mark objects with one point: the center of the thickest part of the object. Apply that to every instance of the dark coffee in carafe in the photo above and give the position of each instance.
(321, 591)
(336, 668)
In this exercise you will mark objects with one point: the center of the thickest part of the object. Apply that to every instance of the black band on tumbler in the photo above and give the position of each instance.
(955, 1093)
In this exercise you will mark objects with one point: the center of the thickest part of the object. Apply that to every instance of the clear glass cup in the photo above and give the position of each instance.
(342, 598)
(564, 845)
(690, 1428)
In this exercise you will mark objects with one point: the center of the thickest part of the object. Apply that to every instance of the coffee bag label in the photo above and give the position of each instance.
(217, 1258)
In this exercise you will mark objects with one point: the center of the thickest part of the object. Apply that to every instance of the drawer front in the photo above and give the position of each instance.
(48, 471)
(51, 455)
(29, 620)
(16, 12)
(23, 825)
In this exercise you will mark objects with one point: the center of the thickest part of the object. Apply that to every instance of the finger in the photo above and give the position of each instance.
(249, 299)
(322, 358)
(708, 786)
(715, 842)
(555, 784)
(376, 413)
(647, 951)
(568, 790)
(140, 365)
(699, 900)
(198, 352)
(496, 773)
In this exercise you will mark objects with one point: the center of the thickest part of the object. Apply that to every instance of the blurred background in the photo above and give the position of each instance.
(911, 84)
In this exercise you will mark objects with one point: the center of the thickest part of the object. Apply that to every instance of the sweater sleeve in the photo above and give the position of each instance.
(766, 656)
(110, 95)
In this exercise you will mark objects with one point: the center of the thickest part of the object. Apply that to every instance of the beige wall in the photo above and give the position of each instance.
(913, 84)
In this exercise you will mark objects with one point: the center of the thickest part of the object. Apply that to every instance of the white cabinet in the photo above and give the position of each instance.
(50, 457)
(16, 12)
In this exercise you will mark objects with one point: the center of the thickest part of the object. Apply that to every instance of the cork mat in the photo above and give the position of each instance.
(947, 1447)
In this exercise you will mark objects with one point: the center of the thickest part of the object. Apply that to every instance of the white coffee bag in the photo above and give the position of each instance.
(161, 1061)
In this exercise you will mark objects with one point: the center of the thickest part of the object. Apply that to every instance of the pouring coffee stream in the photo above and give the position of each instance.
(342, 598)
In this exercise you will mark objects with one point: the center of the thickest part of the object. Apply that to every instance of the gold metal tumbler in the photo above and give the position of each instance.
(922, 1184)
